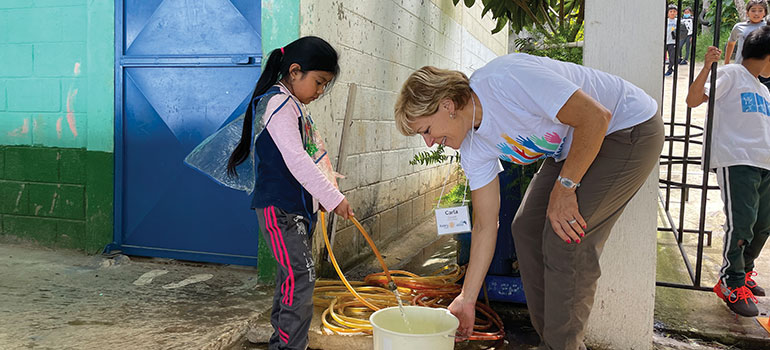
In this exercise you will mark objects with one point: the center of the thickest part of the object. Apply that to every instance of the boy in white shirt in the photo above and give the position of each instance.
(740, 156)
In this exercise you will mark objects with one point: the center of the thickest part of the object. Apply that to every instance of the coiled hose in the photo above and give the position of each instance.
(349, 304)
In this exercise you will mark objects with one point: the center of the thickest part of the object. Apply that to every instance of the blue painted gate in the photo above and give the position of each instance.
(182, 69)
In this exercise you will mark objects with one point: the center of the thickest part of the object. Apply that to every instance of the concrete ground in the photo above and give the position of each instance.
(60, 299)
(698, 313)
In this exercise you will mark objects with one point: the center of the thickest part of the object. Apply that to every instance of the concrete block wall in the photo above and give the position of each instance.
(380, 44)
(56, 99)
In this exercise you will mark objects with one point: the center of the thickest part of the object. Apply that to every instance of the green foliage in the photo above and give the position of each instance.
(729, 15)
(706, 39)
(435, 156)
(550, 16)
(455, 196)
(566, 54)
(554, 47)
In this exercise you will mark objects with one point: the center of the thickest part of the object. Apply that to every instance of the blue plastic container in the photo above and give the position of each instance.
(503, 281)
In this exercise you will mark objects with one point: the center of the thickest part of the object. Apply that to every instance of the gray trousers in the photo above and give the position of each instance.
(287, 236)
(560, 279)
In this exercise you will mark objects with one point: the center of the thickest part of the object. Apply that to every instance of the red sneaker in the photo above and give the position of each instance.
(752, 285)
(739, 299)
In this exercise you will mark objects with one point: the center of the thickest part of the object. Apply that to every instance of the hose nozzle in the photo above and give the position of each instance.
(392, 286)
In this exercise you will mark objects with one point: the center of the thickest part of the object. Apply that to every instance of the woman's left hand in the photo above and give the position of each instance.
(564, 215)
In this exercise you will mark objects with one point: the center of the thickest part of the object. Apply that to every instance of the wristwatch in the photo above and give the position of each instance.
(568, 183)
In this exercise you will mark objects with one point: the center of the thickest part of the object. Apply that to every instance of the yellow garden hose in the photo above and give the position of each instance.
(349, 304)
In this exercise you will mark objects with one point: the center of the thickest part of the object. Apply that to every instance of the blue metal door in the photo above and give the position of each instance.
(183, 67)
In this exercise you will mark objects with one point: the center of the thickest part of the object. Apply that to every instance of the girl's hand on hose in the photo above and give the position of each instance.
(344, 210)
(465, 311)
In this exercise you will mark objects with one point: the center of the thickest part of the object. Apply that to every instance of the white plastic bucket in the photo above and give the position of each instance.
(431, 329)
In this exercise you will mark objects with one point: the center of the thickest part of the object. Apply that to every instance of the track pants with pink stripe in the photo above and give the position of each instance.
(287, 237)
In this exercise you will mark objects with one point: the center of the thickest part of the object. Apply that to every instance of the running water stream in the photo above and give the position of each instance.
(403, 314)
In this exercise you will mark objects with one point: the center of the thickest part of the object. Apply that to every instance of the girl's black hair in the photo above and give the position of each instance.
(310, 53)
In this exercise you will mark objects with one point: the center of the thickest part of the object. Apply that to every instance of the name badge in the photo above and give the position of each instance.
(453, 220)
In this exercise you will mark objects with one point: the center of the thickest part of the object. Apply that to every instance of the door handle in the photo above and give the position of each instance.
(243, 60)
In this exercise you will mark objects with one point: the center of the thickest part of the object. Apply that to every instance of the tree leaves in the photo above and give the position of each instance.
(552, 17)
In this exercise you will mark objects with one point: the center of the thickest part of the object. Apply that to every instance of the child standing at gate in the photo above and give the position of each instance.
(275, 152)
(671, 28)
(739, 155)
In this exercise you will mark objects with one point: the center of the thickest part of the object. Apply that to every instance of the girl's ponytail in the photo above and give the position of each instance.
(310, 53)
(268, 78)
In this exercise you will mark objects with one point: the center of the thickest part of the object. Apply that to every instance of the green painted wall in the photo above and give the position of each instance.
(280, 26)
(56, 121)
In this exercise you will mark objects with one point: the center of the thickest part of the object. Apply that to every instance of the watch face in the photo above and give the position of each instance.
(567, 182)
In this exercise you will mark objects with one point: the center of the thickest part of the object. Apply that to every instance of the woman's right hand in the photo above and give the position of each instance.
(465, 311)
(344, 210)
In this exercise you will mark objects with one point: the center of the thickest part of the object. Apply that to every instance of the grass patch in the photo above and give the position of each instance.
(707, 39)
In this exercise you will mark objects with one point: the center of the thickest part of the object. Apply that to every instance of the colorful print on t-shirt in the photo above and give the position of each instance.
(753, 102)
(528, 150)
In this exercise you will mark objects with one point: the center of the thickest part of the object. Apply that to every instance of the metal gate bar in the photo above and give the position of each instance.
(669, 160)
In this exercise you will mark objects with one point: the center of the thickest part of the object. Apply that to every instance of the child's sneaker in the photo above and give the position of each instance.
(752, 285)
(668, 73)
(739, 299)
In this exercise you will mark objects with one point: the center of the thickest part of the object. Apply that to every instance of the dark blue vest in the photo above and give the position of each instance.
(275, 184)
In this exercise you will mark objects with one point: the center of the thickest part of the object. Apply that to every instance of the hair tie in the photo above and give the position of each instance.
(282, 51)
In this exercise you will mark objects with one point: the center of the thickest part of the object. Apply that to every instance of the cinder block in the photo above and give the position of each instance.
(15, 60)
(47, 25)
(388, 223)
(99, 199)
(42, 230)
(14, 198)
(34, 95)
(72, 163)
(346, 243)
(74, 94)
(419, 207)
(58, 130)
(382, 136)
(15, 4)
(351, 168)
(405, 216)
(70, 233)
(372, 227)
(17, 127)
(412, 185)
(31, 164)
(390, 165)
(2, 95)
(57, 3)
(383, 195)
(75, 23)
(372, 169)
(59, 201)
(59, 59)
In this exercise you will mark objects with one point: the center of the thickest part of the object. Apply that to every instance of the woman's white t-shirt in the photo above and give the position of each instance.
(741, 130)
(521, 95)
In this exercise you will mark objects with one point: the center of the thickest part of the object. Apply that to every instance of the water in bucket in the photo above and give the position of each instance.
(431, 328)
